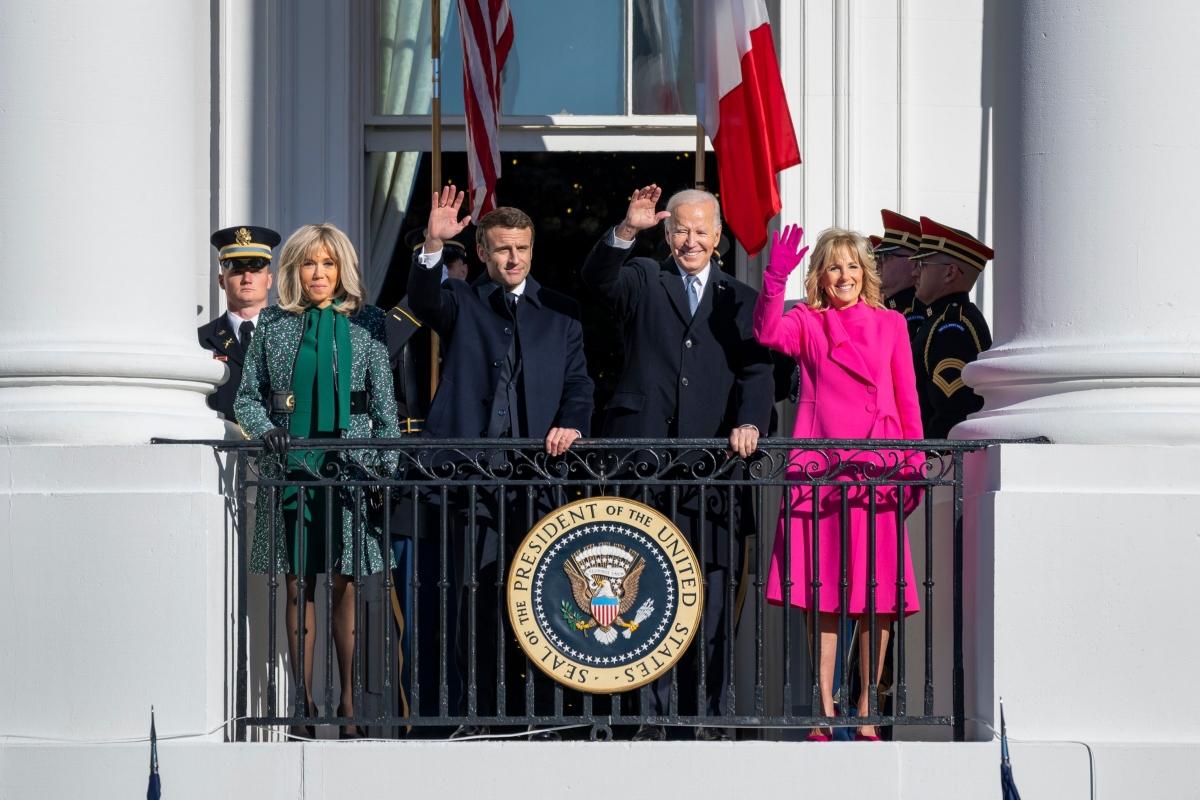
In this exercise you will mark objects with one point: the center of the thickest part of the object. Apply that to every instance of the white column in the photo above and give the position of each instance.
(1096, 320)
(245, 170)
(104, 209)
(115, 594)
(1080, 556)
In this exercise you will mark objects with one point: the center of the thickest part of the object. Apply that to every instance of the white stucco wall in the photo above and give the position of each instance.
(117, 551)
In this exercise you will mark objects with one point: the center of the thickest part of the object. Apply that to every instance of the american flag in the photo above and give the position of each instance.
(487, 36)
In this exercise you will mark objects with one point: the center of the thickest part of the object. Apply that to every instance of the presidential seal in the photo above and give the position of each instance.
(605, 594)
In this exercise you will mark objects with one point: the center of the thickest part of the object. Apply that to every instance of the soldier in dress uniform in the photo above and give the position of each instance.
(901, 236)
(410, 352)
(408, 339)
(954, 333)
(244, 252)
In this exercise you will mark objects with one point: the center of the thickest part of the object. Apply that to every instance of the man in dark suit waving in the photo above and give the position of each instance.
(692, 370)
(513, 366)
(513, 363)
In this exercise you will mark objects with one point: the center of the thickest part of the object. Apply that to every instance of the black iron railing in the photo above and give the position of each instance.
(431, 646)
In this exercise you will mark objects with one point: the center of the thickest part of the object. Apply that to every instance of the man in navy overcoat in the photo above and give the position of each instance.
(513, 367)
(692, 370)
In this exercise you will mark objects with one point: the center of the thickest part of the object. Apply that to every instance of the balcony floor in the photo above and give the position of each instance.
(522, 770)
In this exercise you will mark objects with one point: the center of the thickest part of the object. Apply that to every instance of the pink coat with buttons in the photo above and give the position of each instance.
(856, 382)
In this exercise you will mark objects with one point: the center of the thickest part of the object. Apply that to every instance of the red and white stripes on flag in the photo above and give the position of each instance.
(742, 105)
(487, 36)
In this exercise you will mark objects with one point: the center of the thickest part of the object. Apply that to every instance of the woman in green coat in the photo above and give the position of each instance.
(318, 368)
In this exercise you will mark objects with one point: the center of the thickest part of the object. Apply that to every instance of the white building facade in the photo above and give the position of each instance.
(1056, 132)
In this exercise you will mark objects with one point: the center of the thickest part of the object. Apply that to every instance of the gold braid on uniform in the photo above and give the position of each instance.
(949, 387)
(411, 318)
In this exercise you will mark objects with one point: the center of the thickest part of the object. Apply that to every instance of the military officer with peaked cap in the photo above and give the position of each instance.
(408, 339)
(901, 236)
(954, 333)
(244, 252)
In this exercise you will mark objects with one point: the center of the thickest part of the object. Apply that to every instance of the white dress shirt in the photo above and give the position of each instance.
(235, 322)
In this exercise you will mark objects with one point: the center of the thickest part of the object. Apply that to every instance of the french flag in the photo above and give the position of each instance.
(742, 105)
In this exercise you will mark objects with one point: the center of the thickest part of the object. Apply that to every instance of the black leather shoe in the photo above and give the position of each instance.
(543, 735)
(650, 733)
(467, 731)
(305, 731)
(348, 731)
(704, 734)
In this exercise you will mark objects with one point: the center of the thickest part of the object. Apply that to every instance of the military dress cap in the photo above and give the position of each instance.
(875, 242)
(415, 239)
(244, 241)
(899, 232)
(938, 238)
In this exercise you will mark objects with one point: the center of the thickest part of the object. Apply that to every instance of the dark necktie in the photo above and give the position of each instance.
(505, 419)
(246, 335)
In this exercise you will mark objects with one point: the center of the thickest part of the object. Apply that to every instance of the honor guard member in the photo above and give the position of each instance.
(410, 354)
(954, 333)
(408, 339)
(244, 252)
(901, 236)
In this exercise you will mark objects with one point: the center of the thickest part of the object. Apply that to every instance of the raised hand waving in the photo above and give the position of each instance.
(443, 218)
(641, 214)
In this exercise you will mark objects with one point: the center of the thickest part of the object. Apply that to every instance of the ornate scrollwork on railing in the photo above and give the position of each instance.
(639, 461)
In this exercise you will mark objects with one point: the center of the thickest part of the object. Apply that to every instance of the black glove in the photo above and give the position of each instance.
(276, 441)
(376, 496)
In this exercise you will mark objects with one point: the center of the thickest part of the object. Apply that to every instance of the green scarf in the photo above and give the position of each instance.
(327, 336)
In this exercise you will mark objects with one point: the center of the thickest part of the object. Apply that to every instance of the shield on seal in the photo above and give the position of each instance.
(604, 609)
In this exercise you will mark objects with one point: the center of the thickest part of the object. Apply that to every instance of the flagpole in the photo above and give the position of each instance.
(700, 154)
(435, 162)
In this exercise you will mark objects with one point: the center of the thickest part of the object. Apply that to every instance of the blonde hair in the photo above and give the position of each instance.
(827, 242)
(299, 246)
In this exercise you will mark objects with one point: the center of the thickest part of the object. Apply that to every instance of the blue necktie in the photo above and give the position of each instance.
(693, 293)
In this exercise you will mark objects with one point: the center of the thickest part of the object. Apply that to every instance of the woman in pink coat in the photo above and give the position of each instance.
(856, 382)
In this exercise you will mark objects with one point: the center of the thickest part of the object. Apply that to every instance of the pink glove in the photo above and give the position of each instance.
(786, 255)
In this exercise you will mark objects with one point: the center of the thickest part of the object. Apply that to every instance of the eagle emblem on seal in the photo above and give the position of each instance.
(604, 584)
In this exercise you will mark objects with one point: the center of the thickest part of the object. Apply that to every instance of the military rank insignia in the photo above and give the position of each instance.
(605, 594)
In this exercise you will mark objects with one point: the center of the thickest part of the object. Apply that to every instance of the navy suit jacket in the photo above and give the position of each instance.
(221, 340)
(476, 334)
(684, 376)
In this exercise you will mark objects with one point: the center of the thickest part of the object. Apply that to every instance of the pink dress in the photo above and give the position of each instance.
(856, 382)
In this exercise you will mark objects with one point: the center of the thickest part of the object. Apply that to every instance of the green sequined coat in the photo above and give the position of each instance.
(268, 369)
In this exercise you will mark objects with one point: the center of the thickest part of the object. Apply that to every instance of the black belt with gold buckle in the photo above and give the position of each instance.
(285, 402)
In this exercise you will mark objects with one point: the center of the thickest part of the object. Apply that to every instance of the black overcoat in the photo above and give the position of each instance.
(684, 376)
(476, 333)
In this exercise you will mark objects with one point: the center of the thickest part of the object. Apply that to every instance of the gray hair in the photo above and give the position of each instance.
(689, 197)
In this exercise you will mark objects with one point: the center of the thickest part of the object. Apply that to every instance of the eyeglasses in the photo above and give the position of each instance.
(244, 264)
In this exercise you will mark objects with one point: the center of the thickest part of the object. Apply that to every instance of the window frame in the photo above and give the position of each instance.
(624, 122)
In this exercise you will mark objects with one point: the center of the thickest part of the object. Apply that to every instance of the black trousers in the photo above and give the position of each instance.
(715, 521)
(702, 687)
(490, 662)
